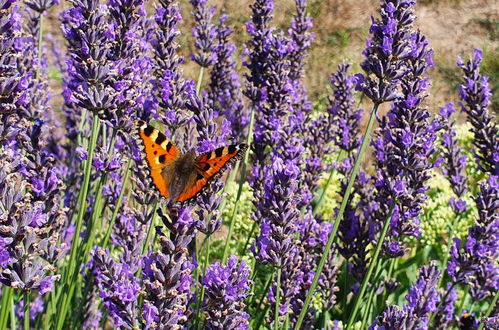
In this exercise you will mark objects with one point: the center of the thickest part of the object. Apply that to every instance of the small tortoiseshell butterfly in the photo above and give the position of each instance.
(180, 177)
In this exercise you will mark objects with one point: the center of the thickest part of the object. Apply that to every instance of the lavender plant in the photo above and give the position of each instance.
(86, 241)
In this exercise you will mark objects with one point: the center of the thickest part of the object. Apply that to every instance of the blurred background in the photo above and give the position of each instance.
(453, 27)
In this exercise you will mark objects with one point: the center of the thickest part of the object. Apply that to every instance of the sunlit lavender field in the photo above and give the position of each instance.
(135, 197)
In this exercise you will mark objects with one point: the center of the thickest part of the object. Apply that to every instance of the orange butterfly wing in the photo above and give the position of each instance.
(209, 166)
(159, 151)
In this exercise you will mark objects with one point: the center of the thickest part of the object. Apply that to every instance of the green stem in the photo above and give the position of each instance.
(345, 289)
(40, 39)
(27, 303)
(461, 305)
(374, 262)
(4, 311)
(377, 276)
(489, 310)
(97, 209)
(201, 296)
(261, 317)
(249, 137)
(72, 268)
(249, 236)
(277, 299)
(200, 80)
(118, 205)
(12, 313)
(264, 292)
(365, 142)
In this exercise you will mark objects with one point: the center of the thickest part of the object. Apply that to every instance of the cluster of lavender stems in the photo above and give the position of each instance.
(86, 242)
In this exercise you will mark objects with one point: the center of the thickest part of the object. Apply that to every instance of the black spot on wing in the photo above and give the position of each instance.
(219, 152)
(206, 167)
(148, 130)
(162, 159)
(160, 139)
(199, 177)
(169, 146)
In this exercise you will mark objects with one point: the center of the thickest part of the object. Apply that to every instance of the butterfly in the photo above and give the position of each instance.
(182, 177)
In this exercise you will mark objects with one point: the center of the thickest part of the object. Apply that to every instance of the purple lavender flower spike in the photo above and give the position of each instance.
(224, 90)
(387, 51)
(170, 89)
(13, 83)
(118, 288)
(475, 97)
(403, 147)
(474, 263)
(90, 69)
(422, 300)
(227, 287)
(204, 33)
(423, 297)
(23, 230)
(127, 19)
(167, 274)
(40, 6)
(36, 307)
(445, 313)
(454, 161)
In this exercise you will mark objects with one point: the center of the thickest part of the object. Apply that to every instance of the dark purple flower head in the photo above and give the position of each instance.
(404, 146)
(387, 50)
(167, 272)
(224, 92)
(445, 312)
(170, 89)
(118, 288)
(40, 6)
(475, 97)
(205, 34)
(453, 159)
(226, 290)
(422, 300)
(474, 263)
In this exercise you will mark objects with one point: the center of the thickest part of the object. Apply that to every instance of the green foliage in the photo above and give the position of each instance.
(242, 222)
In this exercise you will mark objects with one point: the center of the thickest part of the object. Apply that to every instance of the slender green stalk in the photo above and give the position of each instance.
(377, 276)
(5, 308)
(201, 296)
(72, 268)
(12, 313)
(261, 317)
(489, 310)
(345, 289)
(250, 235)
(365, 312)
(145, 247)
(97, 209)
(249, 138)
(200, 80)
(461, 305)
(264, 292)
(374, 262)
(353, 175)
(110, 226)
(328, 182)
(27, 303)
(40, 41)
(232, 221)
(146, 244)
(277, 299)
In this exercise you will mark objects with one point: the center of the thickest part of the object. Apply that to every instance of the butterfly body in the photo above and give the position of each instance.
(181, 177)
